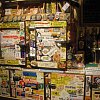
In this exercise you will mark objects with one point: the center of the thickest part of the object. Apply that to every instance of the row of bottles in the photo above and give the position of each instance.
(89, 42)
(89, 38)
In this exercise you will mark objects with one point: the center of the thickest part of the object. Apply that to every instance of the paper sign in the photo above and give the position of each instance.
(65, 7)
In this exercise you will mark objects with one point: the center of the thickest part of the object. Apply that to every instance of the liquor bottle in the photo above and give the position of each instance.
(88, 39)
(69, 55)
(89, 55)
(98, 48)
(81, 42)
(94, 37)
(98, 39)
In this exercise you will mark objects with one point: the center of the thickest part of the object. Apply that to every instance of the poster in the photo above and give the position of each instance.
(12, 45)
(68, 86)
(31, 86)
(48, 44)
(96, 90)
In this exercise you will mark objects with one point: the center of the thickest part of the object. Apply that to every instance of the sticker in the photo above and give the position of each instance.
(58, 23)
(65, 95)
(45, 51)
(22, 25)
(55, 93)
(46, 58)
(8, 11)
(48, 24)
(39, 24)
(68, 86)
(34, 63)
(40, 77)
(47, 64)
(13, 62)
(10, 25)
(52, 51)
(63, 54)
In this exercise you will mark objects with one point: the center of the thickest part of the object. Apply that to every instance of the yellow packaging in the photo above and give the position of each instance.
(53, 7)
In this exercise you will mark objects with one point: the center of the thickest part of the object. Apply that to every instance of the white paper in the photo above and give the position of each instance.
(65, 7)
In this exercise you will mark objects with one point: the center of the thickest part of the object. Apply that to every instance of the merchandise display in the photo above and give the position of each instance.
(45, 53)
(68, 86)
(30, 86)
(12, 43)
(26, 84)
(47, 43)
(22, 84)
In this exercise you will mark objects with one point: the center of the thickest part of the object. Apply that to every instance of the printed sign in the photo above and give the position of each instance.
(35, 24)
(10, 25)
(12, 46)
(68, 86)
(31, 86)
(48, 45)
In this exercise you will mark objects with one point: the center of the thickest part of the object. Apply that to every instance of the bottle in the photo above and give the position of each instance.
(94, 37)
(98, 39)
(81, 42)
(69, 56)
(88, 39)
(89, 54)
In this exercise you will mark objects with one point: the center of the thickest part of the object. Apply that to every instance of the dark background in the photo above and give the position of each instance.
(91, 11)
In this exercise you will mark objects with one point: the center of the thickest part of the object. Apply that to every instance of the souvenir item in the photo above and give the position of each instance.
(8, 11)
